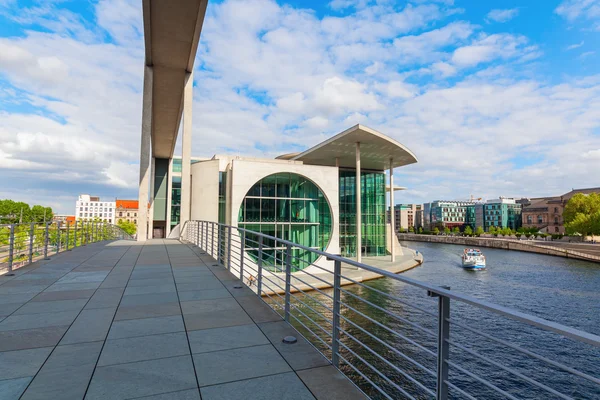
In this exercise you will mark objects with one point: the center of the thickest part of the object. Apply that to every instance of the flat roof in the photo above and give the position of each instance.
(376, 149)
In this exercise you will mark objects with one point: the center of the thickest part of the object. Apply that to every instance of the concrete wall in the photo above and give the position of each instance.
(503, 244)
(245, 173)
(205, 191)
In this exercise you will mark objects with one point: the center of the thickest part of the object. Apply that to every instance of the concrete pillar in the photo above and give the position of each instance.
(169, 198)
(186, 153)
(142, 226)
(151, 209)
(358, 207)
(392, 211)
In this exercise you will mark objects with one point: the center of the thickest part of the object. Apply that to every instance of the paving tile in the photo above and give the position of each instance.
(144, 378)
(216, 319)
(211, 284)
(31, 321)
(21, 289)
(284, 386)
(66, 374)
(83, 277)
(22, 363)
(13, 388)
(72, 286)
(147, 311)
(146, 326)
(206, 294)
(16, 298)
(198, 306)
(31, 338)
(300, 355)
(148, 282)
(216, 339)
(165, 288)
(192, 394)
(64, 295)
(329, 383)
(105, 298)
(143, 348)
(8, 309)
(90, 326)
(257, 309)
(38, 307)
(233, 365)
(149, 299)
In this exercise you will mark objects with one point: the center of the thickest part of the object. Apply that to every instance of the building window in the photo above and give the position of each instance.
(556, 220)
(529, 219)
(289, 207)
(540, 219)
(556, 229)
(120, 214)
(556, 209)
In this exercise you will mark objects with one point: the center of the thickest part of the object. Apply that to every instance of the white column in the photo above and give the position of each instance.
(392, 211)
(358, 207)
(150, 210)
(186, 152)
(169, 198)
(145, 153)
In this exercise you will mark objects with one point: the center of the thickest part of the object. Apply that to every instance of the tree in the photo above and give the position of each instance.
(446, 230)
(582, 214)
(411, 229)
(492, 229)
(469, 230)
(479, 231)
(128, 227)
(436, 231)
(420, 230)
(456, 229)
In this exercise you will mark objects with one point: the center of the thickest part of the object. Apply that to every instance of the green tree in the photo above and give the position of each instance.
(492, 230)
(420, 230)
(411, 229)
(436, 231)
(582, 214)
(479, 231)
(469, 230)
(456, 229)
(128, 227)
(446, 230)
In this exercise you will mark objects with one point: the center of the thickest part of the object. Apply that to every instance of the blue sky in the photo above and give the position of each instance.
(494, 97)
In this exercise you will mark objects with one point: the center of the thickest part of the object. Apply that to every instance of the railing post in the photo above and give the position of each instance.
(229, 248)
(288, 280)
(75, 239)
(260, 261)
(31, 235)
(57, 236)
(198, 233)
(219, 244)
(443, 347)
(335, 341)
(46, 241)
(11, 249)
(242, 245)
(83, 235)
(68, 235)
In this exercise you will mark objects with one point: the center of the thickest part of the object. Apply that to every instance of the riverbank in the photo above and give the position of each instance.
(504, 244)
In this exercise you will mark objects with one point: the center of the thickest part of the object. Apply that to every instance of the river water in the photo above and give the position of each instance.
(558, 289)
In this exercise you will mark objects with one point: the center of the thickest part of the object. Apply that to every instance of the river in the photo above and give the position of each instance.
(558, 289)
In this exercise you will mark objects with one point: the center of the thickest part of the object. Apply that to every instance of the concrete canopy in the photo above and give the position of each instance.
(171, 33)
(376, 149)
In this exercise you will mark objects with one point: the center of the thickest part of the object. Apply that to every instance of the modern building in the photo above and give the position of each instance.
(502, 213)
(93, 208)
(407, 216)
(545, 213)
(63, 219)
(448, 213)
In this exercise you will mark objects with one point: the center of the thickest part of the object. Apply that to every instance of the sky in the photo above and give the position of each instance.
(495, 98)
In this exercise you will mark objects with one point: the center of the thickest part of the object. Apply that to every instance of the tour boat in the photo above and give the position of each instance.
(473, 259)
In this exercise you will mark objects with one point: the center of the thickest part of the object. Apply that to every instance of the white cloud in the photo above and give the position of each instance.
(575, 46)
(488, 48)
(502, 15)
(573, 10)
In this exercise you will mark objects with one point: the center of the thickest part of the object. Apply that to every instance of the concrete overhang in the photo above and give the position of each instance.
(376, 149)
(171, 34)
(396, 188)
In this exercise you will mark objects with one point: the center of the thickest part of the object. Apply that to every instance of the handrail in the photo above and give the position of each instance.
(241, 251)
(21, 244)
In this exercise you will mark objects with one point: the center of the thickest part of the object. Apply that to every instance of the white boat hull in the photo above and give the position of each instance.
(473, 264)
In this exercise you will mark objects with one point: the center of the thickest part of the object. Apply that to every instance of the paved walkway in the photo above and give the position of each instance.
(153, 321)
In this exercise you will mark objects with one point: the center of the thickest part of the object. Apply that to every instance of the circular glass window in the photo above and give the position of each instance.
(286, 206)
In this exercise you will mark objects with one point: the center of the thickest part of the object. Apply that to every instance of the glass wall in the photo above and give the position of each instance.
(222, 195)
(175, 200)
(290, 207)
(373, 213)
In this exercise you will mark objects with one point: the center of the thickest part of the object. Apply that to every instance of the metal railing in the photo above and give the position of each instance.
(403, 338)
(22, 244)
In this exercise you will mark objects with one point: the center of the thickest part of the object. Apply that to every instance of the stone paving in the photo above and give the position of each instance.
(155, 320)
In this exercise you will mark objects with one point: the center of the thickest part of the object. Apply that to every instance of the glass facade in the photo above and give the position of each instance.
(290, 207)
(373, 213)
(222, 196)
(175, 198)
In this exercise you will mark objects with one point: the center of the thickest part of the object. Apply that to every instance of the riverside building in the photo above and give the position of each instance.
(331, 197)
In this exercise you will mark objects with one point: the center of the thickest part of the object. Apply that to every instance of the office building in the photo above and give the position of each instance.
(502, 213)
(407, 216)
(93, 208)
(448, 213)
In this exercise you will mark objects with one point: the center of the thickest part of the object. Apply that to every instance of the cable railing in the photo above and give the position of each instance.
(22, 244)
(402, 338)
